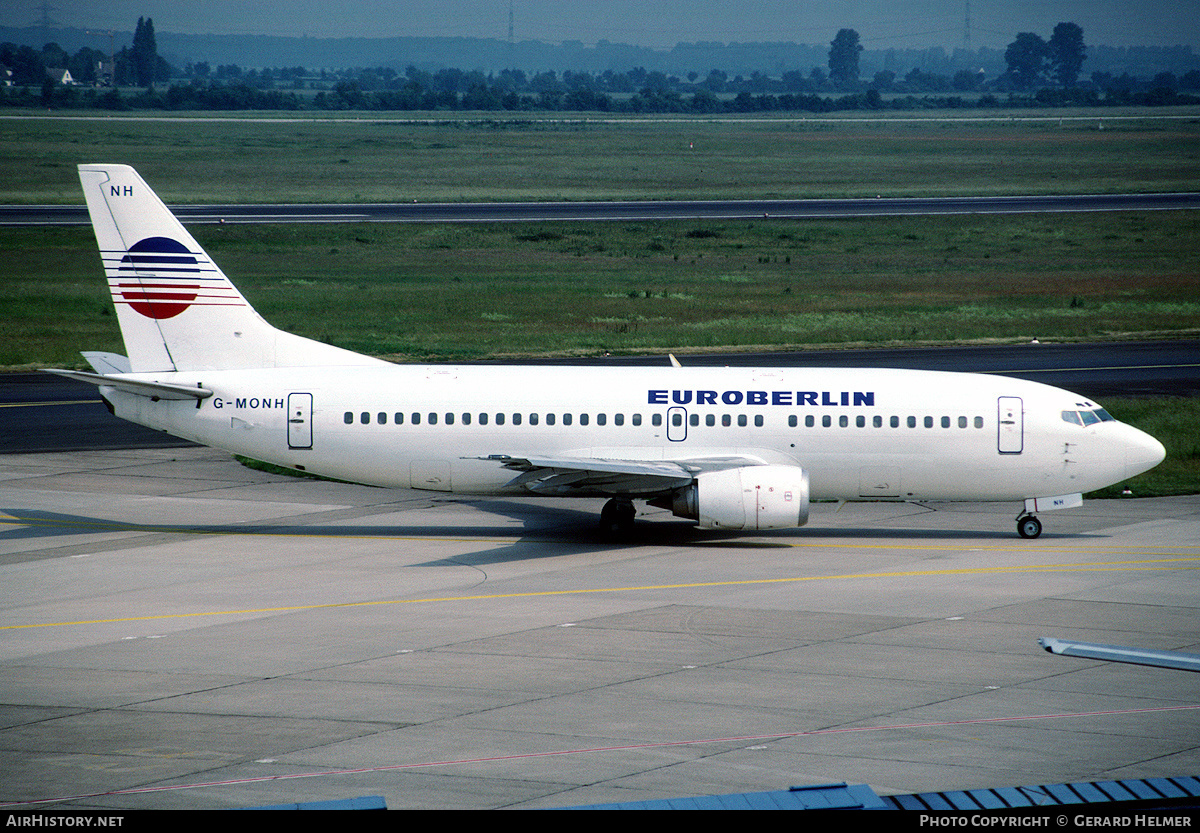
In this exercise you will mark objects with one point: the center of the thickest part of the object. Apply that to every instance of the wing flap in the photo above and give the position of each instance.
(607, 476)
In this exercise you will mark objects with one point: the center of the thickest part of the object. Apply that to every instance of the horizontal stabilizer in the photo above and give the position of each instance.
(106, 363)
(153, 390)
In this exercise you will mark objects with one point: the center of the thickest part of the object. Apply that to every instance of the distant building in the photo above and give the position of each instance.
(60, 75)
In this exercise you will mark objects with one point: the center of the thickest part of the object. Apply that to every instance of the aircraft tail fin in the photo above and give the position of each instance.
(176, 308)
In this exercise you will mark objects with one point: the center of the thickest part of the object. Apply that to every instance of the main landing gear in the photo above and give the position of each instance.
(1028, 526)
(616, 518)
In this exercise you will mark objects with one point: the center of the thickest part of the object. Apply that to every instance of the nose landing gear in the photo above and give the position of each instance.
(1028, 526)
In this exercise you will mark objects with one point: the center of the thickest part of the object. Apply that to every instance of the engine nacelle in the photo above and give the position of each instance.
(752, 497)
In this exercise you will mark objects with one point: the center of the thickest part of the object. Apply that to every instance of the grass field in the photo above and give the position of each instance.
(366, 157)
(489, 290)
(462, 291)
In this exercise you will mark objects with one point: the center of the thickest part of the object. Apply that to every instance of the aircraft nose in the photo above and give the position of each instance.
(1142, 452)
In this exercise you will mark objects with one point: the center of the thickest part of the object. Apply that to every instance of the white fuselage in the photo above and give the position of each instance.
(860, 434)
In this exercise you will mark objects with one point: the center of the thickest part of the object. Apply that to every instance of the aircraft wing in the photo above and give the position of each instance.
(1121, 653)
(595, 475)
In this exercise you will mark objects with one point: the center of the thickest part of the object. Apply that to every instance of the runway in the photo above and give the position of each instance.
(182, 632)
(646, 210)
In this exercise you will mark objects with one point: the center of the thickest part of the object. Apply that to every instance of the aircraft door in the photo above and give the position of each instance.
(299, 420)
(677, 424)
(1010, 425)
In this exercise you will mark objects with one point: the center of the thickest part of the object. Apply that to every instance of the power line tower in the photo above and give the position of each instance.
(45, 21)
(512, 44)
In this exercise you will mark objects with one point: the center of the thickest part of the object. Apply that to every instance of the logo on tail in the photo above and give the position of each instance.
(160, 278)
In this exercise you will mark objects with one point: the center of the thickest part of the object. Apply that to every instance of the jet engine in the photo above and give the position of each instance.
(751, 497)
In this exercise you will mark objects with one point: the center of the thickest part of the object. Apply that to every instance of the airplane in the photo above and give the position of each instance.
(729, 448)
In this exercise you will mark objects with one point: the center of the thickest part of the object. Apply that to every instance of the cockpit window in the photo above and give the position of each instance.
(1087, 417)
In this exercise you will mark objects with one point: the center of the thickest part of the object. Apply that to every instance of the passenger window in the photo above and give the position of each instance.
(381, 418)
(741, 420)
(962, 422)
(792, 421)
(912, 422)
(677, 420)
(567, 420)
(516, 419)
(877, 421)
(895, 422)
(399, 420)
(929, 422)
(416, 418)
(978, 422)
(364, 418)
(433, 419)
(618, 419)
(348, 418)
(601, 419)
(483, 418)
(826, 421)
(656, 419)
(758, 421)
(809, 421)
(860, 422)
(945, 422)
(694, 419)
(549, 419)
(843, 421)
(466, 419)
(533, 419)
(725, 420)
(710, 420)
(637, 419)
(499, 419)
(449, 419)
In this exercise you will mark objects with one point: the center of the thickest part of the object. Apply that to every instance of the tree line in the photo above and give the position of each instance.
(1039, 73)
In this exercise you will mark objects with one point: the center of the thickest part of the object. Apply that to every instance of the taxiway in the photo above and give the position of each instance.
(181, 632)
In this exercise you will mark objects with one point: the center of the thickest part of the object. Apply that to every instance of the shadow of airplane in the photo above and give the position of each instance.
(567, 531)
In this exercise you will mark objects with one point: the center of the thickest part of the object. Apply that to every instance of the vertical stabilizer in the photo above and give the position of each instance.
(176, 308)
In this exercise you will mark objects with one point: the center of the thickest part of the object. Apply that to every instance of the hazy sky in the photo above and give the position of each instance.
(881, 24)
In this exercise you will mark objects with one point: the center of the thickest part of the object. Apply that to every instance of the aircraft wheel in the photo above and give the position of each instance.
(1029, 527)
(616, 518)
